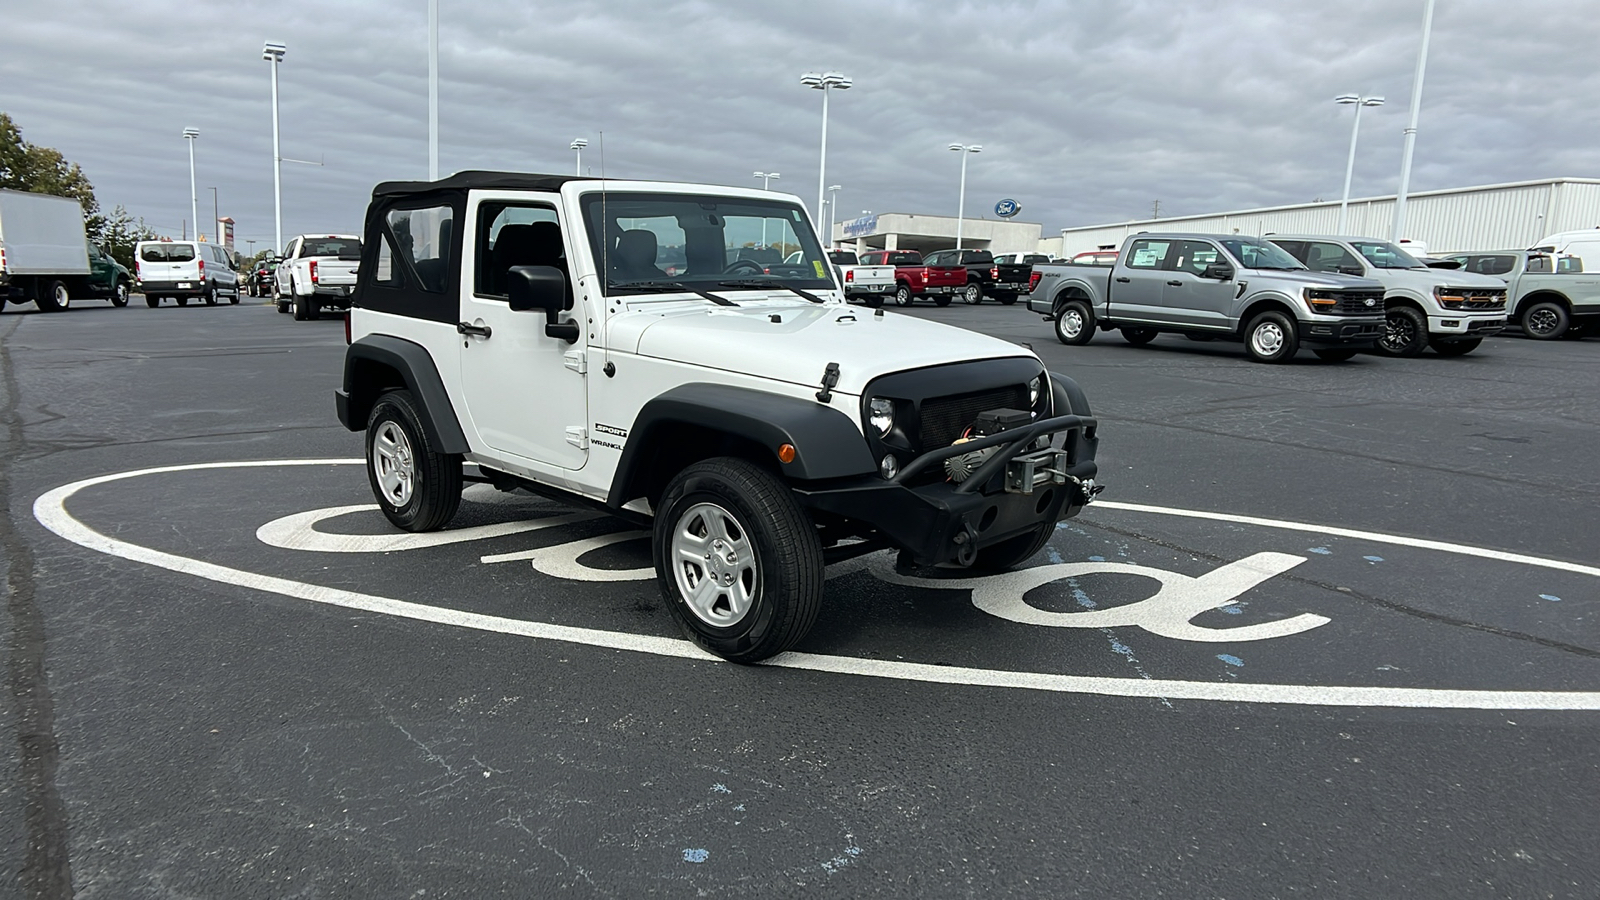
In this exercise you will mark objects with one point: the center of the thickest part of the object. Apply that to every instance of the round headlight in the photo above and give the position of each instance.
(880, 413)
(889, 467)
(1034, 387)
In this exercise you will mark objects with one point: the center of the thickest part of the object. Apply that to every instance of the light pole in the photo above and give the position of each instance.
(766, 185)
(824, 82)
(433, 90)
(1411, 130)
(189, 134)
(273, 52)
(577, 146)
(833, 211)
(216, 217)
(961, 205)
(1350, 165)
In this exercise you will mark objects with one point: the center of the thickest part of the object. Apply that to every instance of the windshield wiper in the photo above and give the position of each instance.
(758, 283)
(669, 287)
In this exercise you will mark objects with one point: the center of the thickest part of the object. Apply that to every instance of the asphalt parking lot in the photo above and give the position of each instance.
(1333, 630)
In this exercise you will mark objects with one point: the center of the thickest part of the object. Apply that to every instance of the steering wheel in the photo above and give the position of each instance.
(745, 265)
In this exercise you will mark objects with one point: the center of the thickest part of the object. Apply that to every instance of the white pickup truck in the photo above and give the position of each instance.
(317, 272)
(868, 284)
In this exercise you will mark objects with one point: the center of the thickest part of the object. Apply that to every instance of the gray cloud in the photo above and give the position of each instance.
(1087, 111)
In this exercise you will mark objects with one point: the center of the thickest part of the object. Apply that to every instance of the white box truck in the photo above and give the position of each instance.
(46, 258)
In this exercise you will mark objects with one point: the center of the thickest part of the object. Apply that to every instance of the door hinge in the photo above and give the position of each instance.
(577, 361)
(578, 436)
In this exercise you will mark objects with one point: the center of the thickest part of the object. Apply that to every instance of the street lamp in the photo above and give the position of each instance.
(961, 205)
(825, 82)
(833, 211)
(1350, 165)
(577, 146)
(433, 90)
(1411, 130)
(216, 218)
(273, 52)
(189, 134)
(766, 185)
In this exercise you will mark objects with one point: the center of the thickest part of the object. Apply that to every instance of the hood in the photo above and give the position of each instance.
(1423, 281)
(1306, 277)
(798, 348)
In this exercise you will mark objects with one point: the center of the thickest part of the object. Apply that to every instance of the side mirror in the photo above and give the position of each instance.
(1219, 271)
(1351, 270)
(542, 287)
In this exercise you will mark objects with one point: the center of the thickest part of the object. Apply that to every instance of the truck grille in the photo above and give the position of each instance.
(1486, 298)
(1354, 303)
(944, 418)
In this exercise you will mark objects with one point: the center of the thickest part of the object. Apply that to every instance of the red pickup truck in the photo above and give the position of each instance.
(913, 279)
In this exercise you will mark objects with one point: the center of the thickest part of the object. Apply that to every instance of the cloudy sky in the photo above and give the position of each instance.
(1087, 111)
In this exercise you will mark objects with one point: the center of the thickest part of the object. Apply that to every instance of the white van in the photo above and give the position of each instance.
(1583, 244)
(184, 269)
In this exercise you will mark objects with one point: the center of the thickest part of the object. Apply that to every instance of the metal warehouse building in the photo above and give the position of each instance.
(1490, 217)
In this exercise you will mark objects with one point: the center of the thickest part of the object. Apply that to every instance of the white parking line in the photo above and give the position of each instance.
(50, 510)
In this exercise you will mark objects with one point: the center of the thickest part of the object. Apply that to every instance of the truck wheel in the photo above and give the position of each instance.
(1546, 320)
(55, 296)
(211, 295)
(972, 294)
(1456, 348)
(1138, 336)
(1405, 333)
(182, 301)
(283, 306)
(1007, 299)
(1075, 323)
(152, 301)
(1012, 552)
(119, 294)
(1334, 354)
(873, 301)
(1271, 338)
(418, 488)
(902, 296)
(302, 309)
(233, 298)
(738, 560)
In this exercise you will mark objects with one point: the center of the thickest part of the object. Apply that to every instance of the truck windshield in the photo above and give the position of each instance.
(699, 241)
(166, 252)
(1253, 253)
(1385, 255)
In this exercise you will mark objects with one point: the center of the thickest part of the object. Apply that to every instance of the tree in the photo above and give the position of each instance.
(43, 170)
(120, 233)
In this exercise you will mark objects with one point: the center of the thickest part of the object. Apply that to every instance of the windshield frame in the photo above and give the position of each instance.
(1394, 249)
(595, 204)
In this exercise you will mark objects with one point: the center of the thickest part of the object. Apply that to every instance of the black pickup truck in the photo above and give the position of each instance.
(985, 277)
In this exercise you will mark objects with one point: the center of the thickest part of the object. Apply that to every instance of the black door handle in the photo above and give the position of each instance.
(482, 331)
(1175, 284)
(1124, 279)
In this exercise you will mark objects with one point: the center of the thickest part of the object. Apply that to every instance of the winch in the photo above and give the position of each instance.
(960, 467)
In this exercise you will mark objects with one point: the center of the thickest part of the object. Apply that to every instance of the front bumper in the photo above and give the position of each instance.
(942, 522)
(1341, 330)
(1459, 325)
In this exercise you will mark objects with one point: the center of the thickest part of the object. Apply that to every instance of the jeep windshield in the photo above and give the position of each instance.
(645, 241)
(1258, 254)
(1385, 255)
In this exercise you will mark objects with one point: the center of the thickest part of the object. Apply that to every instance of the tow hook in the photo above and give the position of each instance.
(966, 546)
(1087, 489)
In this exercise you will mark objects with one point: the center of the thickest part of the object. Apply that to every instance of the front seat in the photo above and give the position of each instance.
(635, 258)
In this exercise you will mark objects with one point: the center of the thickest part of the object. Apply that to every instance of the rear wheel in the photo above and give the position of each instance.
(1075, 323)
(1546, 320)
(1456, 348)
(418, 488)
(55, 296)
(972, 294)
(1007, 299)
(1138, 336)
(211, 295)
(1405, 332)
(1271, 338)
(738, 561)
(902, 295)
(1334, 354)
(302, 309)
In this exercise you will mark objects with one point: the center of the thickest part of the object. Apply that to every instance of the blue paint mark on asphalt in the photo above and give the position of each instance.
(1230, 659)
(1320, 551)
(1233, 609)
(1373, 559)
(1097, 559)
(1054, 554)
(696, 856)
(721, 789)
(1551, 597)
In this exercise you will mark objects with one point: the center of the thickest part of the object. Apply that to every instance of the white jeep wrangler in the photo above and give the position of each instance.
(607, 343)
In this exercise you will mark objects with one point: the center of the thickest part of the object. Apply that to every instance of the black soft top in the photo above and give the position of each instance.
(462, 181)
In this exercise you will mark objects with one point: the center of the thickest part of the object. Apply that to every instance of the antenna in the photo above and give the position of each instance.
(605, 223)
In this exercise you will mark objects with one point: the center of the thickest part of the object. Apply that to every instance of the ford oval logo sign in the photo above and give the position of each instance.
(1005, 209)
(1371, 302)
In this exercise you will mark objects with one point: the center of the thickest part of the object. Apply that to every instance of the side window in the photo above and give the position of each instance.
(1148, 254)
(1325, 257)
(515, 235)
(292, 250)
(1192, 257)
(422, 238)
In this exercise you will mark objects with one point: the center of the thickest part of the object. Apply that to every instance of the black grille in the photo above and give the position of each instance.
(1484, 299)
(944, 418)
(1352, 303)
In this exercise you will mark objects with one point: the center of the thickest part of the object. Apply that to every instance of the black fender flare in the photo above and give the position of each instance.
(828, 444)
(1067, 397)
(416, 368)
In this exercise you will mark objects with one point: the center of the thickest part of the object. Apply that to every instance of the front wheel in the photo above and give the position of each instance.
(972, 294)
(283, 306)
(1271, 338)
(873, 301)
(1012, 552)
(1007, 299)
(941, 299)
(182, 301)
(152, 301)
(1546, 320)
(1075, 323)
(1138, 336)
(1456, 348)
(119, 294)
(739, 562)
(1405, 332)
(418, 488)
(902, 295)
(1334, 354)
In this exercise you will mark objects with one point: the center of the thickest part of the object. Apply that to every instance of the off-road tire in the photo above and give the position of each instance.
(1546, 320)
(119, 294)
(1271, 338)
(1012, 552)
(1334, 354)
(902, 295)
(55, 296)
(1405, 333)
(1083, 333)
(1138, 336)
(1456, 348)
(972, 294)
(785, 577)
(434, 492)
